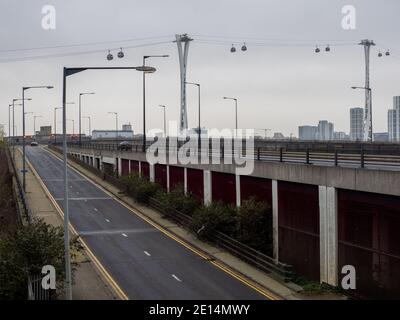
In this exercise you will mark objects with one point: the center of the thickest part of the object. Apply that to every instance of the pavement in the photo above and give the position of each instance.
(143, 259)
(88, 282)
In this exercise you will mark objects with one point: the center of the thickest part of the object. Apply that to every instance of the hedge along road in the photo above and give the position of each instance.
(143, 260)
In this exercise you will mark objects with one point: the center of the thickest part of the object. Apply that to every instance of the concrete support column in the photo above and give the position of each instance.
(140, 168)
(167, 178)
(275, 227)
(238, 196)
(119, 166)
(152, 175)
(185, 179)
(207, 186)
(328, 235)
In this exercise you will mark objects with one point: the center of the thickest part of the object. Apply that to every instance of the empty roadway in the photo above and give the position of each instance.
(145, 262)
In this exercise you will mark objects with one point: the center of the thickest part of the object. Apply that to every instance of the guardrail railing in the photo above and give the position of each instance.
(356, 158)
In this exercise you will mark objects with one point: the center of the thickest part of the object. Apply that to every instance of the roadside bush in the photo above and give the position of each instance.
(26, 251)
(139, 187)
(176, 199)
(214, 217)
(254, 225)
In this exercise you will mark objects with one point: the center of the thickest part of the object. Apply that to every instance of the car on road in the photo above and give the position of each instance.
(124, 146)
(34, 144)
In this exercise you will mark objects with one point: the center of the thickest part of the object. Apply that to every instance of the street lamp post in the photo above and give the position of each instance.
(68, 72)
(55, 120)
(73, 126)
(144, 94)
(90, 125)
(23, 131)
(368, 131)
(165, 122)
(199, 128)
(116, 124)
(55, 123)
(236, 115)
(80, 114)
(14, 126)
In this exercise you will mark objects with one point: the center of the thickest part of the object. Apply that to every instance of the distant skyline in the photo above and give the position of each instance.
(280, 84)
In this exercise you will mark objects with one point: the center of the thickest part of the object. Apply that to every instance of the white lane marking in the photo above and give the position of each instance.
(124, 234)
(95, 209)
(147, 254)
(107, 220)
(176, 278)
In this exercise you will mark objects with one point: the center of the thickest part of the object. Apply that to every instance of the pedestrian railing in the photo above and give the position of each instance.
(36, 290)
(346, 158)
(242, 251)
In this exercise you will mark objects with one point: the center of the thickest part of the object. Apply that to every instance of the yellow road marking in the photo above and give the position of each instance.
(138, 213)
(121, 294)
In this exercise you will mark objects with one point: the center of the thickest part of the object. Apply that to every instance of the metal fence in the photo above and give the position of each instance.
(333, 156)
(35, 289)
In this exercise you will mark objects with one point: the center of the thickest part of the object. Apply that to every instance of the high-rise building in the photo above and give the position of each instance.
(392, 125)
(340, 136)
(325, 130)
(396, 106)
(308, 133)
(356, 124)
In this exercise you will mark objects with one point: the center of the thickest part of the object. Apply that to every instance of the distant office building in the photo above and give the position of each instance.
(340, 136)
(381, 136)
(127, 127)
(308, 132)
(396, 106)
(325, 130)
(111, 134)
(392, 125)
(44, 131)
(356, 124)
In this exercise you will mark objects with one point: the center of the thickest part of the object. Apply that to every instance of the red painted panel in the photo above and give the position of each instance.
(176, 176)
(160, 175)
(124, 167)
(134, 166)
(195, 182)
(223, 187)
(298, 221)
(369, 239)
(145, 169)
(259, 188)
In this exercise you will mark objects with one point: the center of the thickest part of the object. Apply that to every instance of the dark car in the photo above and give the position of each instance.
(124, 146)
(34, 144)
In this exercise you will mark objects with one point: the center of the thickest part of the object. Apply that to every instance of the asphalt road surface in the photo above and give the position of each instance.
(146, 263)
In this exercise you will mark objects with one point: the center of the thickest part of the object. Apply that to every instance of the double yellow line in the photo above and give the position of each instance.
(119, 292)
(138, 213)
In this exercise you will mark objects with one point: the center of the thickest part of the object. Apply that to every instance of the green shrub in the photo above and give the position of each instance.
(139, 187)
(177, 200)
(254, 225)
(26, 251)
(214, 217)
(184, 203)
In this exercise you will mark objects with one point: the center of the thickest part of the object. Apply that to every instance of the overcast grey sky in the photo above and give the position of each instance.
(278, 87)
